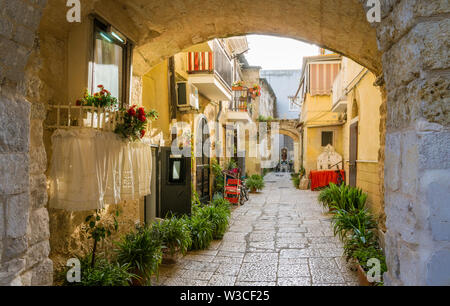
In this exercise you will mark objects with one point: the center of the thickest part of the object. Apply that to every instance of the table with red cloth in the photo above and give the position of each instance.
(323, 178)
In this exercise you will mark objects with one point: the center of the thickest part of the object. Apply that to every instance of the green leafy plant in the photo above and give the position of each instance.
(265, 119)
(346, 222)
(343, 197)
(141, 250)
(255, 182)
(363, 255)
(103, 273)
(134, 123)
(99, 231)
(174, 235)
(219, 178)
(231, 164)
(218, 217)
(195, 201)
(201, 231)
(296, 178)
(220, 201)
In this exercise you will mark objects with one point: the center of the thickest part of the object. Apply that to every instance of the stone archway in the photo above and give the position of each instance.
(409, 46)
(287, 128)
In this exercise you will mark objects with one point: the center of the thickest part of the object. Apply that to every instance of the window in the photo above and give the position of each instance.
(111, 61)
(327, 138)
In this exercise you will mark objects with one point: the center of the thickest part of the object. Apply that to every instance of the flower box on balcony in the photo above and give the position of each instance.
(237, 88)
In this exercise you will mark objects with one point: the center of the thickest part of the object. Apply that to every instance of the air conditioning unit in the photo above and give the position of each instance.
(187, 96)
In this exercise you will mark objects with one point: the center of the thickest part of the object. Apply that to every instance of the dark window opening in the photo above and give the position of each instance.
(327, 138)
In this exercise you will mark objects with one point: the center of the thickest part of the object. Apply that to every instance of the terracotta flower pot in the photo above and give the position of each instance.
(237, 88)
(362, 276)
(138, 282)
(171, 259)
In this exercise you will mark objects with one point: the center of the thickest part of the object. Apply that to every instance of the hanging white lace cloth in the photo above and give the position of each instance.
(90, 169)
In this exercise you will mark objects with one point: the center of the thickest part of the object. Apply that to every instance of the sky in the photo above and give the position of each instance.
(271, 52)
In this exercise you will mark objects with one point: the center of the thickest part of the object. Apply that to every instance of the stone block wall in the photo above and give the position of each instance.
(24, 245)
(414, 38)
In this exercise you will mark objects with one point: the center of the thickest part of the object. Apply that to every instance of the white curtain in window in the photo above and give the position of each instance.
(90, 168)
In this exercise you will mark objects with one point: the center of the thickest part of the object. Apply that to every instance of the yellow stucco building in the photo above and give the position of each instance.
(341, 107)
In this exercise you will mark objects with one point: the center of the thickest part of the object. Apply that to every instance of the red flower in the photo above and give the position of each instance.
(142, 118)
(142, 133)
(132, 112)
(100, 86)
(141, 111)
(79, 103)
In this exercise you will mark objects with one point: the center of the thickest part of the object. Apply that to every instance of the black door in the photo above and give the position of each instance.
(203, 161)
(175, 182)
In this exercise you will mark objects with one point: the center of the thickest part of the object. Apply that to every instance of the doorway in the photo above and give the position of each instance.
(203, 161)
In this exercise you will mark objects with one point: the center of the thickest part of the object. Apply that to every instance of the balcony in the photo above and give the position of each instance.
(240, 107)
(339, 94)
(211, 72)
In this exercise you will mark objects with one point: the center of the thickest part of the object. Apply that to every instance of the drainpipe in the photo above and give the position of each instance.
(218, 126)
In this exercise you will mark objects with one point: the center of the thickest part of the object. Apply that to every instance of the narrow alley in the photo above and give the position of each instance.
(280, 237)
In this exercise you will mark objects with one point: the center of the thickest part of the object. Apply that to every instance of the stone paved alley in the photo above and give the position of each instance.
(280, 237)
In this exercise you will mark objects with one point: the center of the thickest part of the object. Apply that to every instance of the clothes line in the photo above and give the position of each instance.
(91, 168)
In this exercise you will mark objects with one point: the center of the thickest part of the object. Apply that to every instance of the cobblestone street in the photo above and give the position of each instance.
(280, 237)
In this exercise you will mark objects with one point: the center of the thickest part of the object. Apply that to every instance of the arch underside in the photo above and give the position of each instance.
(161, 29)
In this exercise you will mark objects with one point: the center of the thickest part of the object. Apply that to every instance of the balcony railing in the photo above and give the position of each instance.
(241, 102)
(211, 62)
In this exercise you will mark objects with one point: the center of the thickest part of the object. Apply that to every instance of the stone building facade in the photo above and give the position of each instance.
(407, 51)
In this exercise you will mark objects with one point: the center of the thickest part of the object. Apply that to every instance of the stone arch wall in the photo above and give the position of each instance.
(24, 232)
(411, 45)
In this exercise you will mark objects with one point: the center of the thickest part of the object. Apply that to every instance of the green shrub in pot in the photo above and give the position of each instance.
(103, 273)
(141, 250)
(347, 222)
(174, 235)
(220, 201)
(255, 183)
(218, 217)
(201, 230)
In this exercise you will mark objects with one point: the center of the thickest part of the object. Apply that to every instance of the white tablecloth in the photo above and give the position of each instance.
(91, 168)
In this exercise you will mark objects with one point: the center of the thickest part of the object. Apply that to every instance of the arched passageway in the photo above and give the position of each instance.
(408, 45)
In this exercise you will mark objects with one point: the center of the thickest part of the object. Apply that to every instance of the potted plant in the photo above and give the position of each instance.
(175, 237)
(134, 123)
(237, 86)
(255, 183)
(201, 230)
(102, 274)
(141, 250)
(100, 99)
(218, 216)
(362, 257)
(255, 91)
